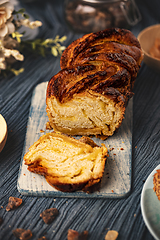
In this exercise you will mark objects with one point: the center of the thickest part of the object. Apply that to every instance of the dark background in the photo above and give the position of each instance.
(94, 215)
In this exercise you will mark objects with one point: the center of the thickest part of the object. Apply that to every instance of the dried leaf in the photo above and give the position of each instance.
(54, 51)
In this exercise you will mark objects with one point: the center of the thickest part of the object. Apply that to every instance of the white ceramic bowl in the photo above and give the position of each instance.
(3, 132)
(147, 38)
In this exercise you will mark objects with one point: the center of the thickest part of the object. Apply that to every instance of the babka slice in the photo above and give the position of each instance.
(66, 163)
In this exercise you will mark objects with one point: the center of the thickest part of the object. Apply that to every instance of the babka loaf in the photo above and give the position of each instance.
(66, 163)
(90, 94)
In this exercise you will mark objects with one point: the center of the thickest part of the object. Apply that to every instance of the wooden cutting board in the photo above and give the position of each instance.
(116, 181)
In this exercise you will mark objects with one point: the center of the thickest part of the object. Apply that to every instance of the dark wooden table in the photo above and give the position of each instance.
(95, 215)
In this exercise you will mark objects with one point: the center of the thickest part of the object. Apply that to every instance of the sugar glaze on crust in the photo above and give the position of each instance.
(90, 93)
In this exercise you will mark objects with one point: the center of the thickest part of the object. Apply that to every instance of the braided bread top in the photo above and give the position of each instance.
(106, 62)
(98, 78)
(111, 41)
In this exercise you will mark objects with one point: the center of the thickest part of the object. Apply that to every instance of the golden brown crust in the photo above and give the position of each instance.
(99, 66)
(88, 186)
(104, 79)
(122, 36)
(66, 163)
(88, 141)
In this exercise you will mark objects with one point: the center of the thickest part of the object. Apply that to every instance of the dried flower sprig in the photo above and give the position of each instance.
(42, 47)
(12, 42)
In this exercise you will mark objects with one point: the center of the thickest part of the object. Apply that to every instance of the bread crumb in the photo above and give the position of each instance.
(48, 126)
(75, 235)
(42, 238)
(13, 203)
(111, 148)
(22, 233)
(111, 235)
(49, 215)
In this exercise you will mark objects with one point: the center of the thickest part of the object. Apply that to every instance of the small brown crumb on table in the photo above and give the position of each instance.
(111, 149)
(48, 126)
(13, 203)
(22, 233)
(111, 235)
(74, 235)
(42, 238)
(49, 215)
